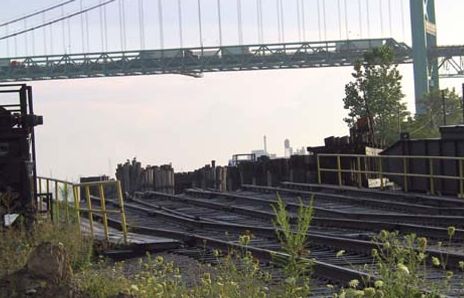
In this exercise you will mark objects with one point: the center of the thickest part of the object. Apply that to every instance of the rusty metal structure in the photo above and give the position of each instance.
(17, 150)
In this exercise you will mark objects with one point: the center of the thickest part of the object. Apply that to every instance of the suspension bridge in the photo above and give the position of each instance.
(107, 38)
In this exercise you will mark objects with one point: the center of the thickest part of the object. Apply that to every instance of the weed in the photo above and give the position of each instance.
(293, 239)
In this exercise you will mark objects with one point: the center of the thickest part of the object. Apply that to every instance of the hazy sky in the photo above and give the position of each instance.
(93, 124)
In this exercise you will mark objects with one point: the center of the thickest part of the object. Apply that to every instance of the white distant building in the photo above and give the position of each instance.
(301, 151)
(259, 153)
(288, 151)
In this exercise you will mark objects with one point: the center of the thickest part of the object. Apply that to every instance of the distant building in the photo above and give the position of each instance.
(301, 151)
(288, 151)
(259, 153)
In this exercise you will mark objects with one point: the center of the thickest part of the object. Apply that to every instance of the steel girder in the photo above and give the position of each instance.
(195, 61)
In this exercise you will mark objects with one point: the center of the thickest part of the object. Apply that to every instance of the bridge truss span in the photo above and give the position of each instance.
(450, 60)
(195, 61)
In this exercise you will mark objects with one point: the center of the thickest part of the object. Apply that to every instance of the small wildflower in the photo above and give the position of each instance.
(387, 245)
(451, 231)
(245, 239)
(375, 252)
(290, 280)
(435, 261)
(378, 284)
(159, 259)
(134, 288)
(354, 283)
(402, 268)
(383, 235)
(422, 241)
(340, 253)
(421, 256)
(369, 292)
(461, 265)
(449, 274)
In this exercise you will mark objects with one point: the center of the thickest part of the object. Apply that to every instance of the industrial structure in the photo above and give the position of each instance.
(17, 152)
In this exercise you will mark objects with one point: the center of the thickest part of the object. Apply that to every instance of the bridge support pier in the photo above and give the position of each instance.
(424, 37)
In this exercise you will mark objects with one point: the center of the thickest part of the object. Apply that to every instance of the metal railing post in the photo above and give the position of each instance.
(103, 210)
(77, 205)
(57, 200)
(319, 180)
(123, 213)
(358, 160)
(405, 174)
(339, 170)
(382, 186)
(461, 178)
(47, 187)
(89, 207)
(432, 186)
(39, 203)
(66, 201)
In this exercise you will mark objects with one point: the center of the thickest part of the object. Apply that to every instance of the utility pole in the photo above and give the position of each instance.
(443, 106)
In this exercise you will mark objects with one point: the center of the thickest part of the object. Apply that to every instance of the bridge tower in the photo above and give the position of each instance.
(424, 37)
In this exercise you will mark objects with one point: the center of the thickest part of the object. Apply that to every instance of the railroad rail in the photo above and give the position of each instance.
(196, 226)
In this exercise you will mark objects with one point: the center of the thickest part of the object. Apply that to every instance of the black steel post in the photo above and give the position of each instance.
(463, 103)
(443, 106)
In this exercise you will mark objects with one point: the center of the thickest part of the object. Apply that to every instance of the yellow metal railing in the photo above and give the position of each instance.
(373, 165)
(64, 202)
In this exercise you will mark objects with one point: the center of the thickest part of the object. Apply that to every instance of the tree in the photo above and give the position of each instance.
(376, 94)
(427, 125)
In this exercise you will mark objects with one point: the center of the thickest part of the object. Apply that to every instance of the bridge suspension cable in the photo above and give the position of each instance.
(141, 25)
(81, 7)
(381, 18)
(179, 12)
(324, 12)
(319, 19)
(200, 27)
(259, 13)
(122, 24)
(161, 23)
(298, 17)
(25, 38)
(368, 19)
(239, 22)
(219, 21)
(360, 18)
(402, 21)
(303, 16)
(60, 19)
(347, 31)
(339, 8)
(36, 13)
(282, 21)
(44, 35)
(390, 17)
(279, 34)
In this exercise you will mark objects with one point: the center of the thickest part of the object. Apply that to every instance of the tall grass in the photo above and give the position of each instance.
(293, 239)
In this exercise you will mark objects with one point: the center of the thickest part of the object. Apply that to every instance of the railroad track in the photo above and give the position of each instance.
(259, 205)
(202, 222)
